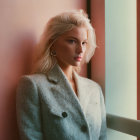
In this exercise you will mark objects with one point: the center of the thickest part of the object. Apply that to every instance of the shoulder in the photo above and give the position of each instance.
(34, 78)
(27, 90)
(30, 83)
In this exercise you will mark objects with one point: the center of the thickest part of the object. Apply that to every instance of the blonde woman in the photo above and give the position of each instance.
(54, 102)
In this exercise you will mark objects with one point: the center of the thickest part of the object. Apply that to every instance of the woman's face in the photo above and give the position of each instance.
(71, 46)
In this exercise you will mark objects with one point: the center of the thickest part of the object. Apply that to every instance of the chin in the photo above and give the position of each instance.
(74, 64)
(77, 64)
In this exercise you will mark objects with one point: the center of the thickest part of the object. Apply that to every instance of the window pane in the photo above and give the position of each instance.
(116, 135)
(120, 61)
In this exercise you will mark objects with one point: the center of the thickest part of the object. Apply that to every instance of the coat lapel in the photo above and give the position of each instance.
(83, 91)
(63, 90)
(84, 109)
(89, 98)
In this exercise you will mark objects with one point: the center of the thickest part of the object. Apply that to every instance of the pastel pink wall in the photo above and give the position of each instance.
(98, 60)
(22, 23)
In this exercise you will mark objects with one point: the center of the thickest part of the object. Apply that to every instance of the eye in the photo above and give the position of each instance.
(71, 41)
(84, 43)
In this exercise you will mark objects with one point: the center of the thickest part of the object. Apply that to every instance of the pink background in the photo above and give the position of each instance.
(22, 23)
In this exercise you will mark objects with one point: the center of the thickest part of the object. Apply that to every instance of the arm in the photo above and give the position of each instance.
(28, 110)
(103, 131)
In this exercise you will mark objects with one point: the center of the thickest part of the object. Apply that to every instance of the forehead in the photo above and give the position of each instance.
(77, 32)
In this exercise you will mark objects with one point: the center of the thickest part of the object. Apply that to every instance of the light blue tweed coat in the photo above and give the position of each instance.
(48, 108)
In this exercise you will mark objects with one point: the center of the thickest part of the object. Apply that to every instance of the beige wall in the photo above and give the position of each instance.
(21, 24)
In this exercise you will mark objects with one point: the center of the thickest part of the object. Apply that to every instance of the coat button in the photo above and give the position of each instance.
(64, 114)
(84, 128)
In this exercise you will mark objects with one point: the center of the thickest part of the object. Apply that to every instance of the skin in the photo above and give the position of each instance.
(70, 49)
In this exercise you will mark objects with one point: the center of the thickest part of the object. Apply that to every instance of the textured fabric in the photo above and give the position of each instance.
(48, 108)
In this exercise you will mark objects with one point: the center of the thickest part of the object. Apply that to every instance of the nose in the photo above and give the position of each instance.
(80, 48)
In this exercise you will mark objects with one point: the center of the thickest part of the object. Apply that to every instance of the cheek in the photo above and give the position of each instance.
(65, 49)
(59, 48)
(84, 49)
(62, 51)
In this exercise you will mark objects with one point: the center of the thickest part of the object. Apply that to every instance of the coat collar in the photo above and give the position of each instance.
(62, 85)
(57, 76)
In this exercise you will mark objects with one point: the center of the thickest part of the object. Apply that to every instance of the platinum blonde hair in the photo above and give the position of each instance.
(55, 27)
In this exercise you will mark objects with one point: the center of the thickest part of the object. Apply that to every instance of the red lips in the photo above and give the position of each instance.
(78, 58)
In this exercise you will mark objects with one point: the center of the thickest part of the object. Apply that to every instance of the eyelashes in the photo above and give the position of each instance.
(71, 41)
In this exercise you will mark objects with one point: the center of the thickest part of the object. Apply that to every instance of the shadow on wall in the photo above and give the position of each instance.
(16, 61)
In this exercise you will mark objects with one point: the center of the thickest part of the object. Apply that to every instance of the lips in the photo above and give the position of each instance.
(78, 58)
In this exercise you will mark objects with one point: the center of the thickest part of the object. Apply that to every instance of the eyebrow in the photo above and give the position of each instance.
(75, 38)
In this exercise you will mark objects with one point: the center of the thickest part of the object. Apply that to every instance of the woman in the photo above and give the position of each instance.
(55, 103)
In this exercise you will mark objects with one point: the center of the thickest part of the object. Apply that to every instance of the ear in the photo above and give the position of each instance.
(54, 46)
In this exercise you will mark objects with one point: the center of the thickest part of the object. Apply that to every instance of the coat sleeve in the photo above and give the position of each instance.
(28, 110)
(103, 131)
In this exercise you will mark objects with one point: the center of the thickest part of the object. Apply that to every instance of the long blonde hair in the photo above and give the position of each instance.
(55, 27)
